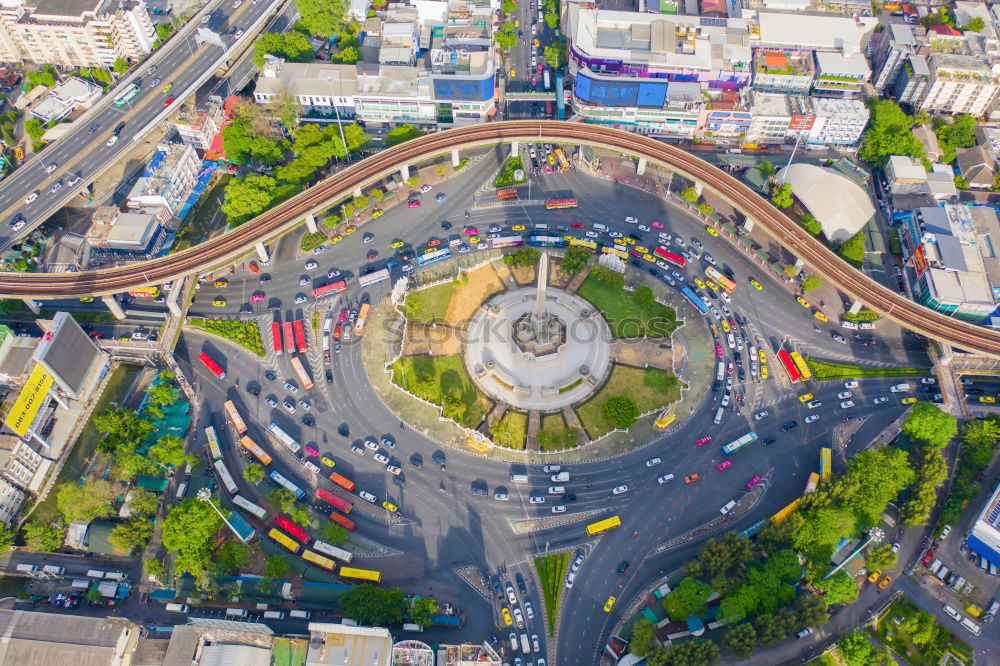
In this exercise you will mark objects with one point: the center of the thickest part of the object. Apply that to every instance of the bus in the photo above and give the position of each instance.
(546, 241)
(250, 507)
(225, 478)
(285, 541)
(283, 437)
(307, 383)
(289, 337)
(234, 417)
(739, 443)
(714, 274)
(569, 202)
(145, 292)
(811, 483)
(332, 551)
(333, 500)
(342, 481)
(800, 365)
(548, 108)
(695, 300)
(213, 444)
(547, 80)
(293, 529)
(300, 337)
(507, 193)
(433, 257)
(374, 277)
(276, 336)
(212, 366)
(508, 241)
(359, 323)
(603, 525)
(255, 450)
(319, 560)
(825, 462)
(582, 242)
(285, 483)
(789, 366)
(329, 289)
(363, 574)
(563, 162)
(670, 257)
(343, 521)
(617, 251)
(127, 95)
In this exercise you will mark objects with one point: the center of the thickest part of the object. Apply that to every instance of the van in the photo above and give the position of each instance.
(935, 565)
(236, 612)
(720, 371)
(718, 415)
(525, 645)
(94, 573)
(274, 615)
(348, 622)
(300, 614)
(187, 469)
(54, 570)
(561, 477)
(181, 489)
(952, 613)
(114, 575)
(600, 227)
(454, 241)
(943, 572)
(541, 227)
(409, 626)
(26, 568)
(971, 626)
(518, 478)
(178, 608)
(900, 388)
(730, 505)
(959, 582)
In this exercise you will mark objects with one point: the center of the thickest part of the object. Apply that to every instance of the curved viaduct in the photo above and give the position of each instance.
(285, 216)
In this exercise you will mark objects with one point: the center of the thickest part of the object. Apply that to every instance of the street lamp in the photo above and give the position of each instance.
(205, 495)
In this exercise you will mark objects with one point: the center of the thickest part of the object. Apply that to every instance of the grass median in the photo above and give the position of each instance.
(626, 317)
(648, 387)
(826, 370)
(551, 574)
(244, 333)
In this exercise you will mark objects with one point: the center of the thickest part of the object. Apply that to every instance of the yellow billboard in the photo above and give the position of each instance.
(29, 401)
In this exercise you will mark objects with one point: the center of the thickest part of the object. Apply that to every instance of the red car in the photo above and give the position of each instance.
(433, 243)
(753, 482)
(258, 297)
(656, 225)
(97, 335)
(534, 81)
(168, 101)
(253, 267)
(718, 350)
(471, 231)
(927, 558)
(704, 440)
(578, 225)
(539, 68)
(413, 204)
(725, 464)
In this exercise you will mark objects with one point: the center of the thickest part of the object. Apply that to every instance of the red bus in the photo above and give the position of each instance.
(548, 108)
(332, 288)
(293, 529)
(276, 334)
(342, 481)
(300, 337)
(667, 255)
(289, 337)
(333, 500)
(786, 361)
(212, 365)
(507, 193)
(343, 521)
(561, 203)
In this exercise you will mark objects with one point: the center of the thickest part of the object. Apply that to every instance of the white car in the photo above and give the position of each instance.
(382, 458)
(536, 499)
(879, 400)
(289, 406)
(631, 220)
(664, 479)
(52, 167)
(852, 383)
(616, 234)
(570, 579)
(305, 280)
(528, 610)
(535, 644)
(560, 508)
(679, 241)
(332, 273)
(305, 404)
(643, 227)
(847, 404)
(844, 395)
(708, 259)
(395, 470)
(928, 380)
(31, 197)
(653, 461)
(112, 141)
(367, 496)
(371, 444)
(620, 490)
(56, 187)
(72, 181)
(238, 34)
(501, 497)
(577, 563)
(591, 234)
(552, 469)
(724, 296)
(425, 188)
(17, 224)
(811, 418)
(531, 151)
(726, 311)
(407, 268)
(813, 404)
(311, 264)
(511, 597)
(237, 3)
(761, 414)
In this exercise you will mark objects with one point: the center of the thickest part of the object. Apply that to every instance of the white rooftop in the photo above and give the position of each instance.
(853, 64)
(841, 206)
(829, 33)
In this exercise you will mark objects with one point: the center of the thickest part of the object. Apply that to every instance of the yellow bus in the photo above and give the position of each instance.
(603, 525)
(319, 560)
(285, 540)
(563, 162)
(825, 462)
(363, 574)
(666, 418)
(800, 365)
(615, 251)
(582, 242)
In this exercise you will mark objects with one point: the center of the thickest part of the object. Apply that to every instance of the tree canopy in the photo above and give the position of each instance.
(853, 249)
(620, 412)
(688, 598)
(575, 259)
(293, 46)
(323, 18)
(371, 605)
(85, 501)
(930, 425)
(889, 133)
(401, 133)
(187, 530)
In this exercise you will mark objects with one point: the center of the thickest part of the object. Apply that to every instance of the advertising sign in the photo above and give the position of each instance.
(29, 401)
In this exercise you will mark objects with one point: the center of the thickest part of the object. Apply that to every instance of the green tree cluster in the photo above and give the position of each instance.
(620, 412)
(323, 18)
(556, 54)
(605, 274)
(120, 65)
(86, 501)
(930, 425)
(782, 196)
(373, 606)
(293, 46)
(401, 133)
(811, 224)
(187, 530)
(163, 31)
(687, 598)
(253, 473)
(522, 257)
(423, 609)
(889, 133)
(960, 133)
(853, 249)
(283, 499)
(810, 283)
(575, 259)
(41, 536)
(46, 76)
(690, 194)
(233, 556)
(643, 641)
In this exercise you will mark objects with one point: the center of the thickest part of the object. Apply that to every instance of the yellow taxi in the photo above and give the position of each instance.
(336, 239)
(987, 399)
(517, 23)
(219, 302)
(711, 231)
(642, 248)
(761, 356)
(756, 285)
(908, 401)
(428, 250)
(711, 285)
(609, 604)
(763, 372)
(885, 582)
(625, 241)
(535, 41)
(819, 315)
(398, 244)
(221, 283)
(803, 302)
(390, 507)
(698, 283)
(725, 326)
(86, 299)
(650, 258)
(507, 619)
(805, 397)
(167, 88)
(874, 576)
(474, 240)
(377, 213)
(327, 461)
(350, 230)
(517, 227)
(551, 158)
(512, 73)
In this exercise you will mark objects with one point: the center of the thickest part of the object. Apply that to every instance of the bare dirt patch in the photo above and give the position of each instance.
(557, 276)
(424, 340)
(470, 291)
(641, 352)
(523, 274)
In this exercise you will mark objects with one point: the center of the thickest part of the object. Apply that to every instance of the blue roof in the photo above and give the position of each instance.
(983, 549)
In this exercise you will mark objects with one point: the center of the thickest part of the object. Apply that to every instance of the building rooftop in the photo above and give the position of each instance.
(841, 206)
(783, 62)
(827, 33)
(133, 230)
(64, 8)
(853, 64)
(51, 638)
(341, 645)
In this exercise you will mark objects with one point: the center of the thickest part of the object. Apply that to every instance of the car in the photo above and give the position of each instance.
(813, 404)
(718, 350)
(18, 223)
(752, 483)
(219, 302)
(928, 380)
(852, 383)
(51, 167)
(756, 285)
(788, 426)
(56, 187)
(507, 619)
(763, 372)
(811, 418)
(760, 415)
(928, 557)
(987, 399)
(577, 225)
(368, 497)
(271, 401)
(844, 395)
(838, 337)
(536, 499)
(874, 575)
(609, 604)
(885, 582)
(305, 404)
(725, 464)
(413, 203)
(879, 400)
(289, 406)
(908, 401)
(620, 490)
(895, 546)
(72, 181)
(805, 397)
(290, 386)
(327, 460)
(394, 469)
(653, 461)
(847, 404)
(974, 391)
(168, 101)
(622, 568)
(945, 531)
(691, 478)
(711, 231)
(371, 444)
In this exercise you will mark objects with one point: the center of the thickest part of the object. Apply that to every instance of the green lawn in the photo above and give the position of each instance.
(244, 333)
(627, 318)
(510, 431)
(648, 387)
(555, 435)
(430, 305)
(505, 178)
(824, 370)
(442, 381)
(899, 640)
(551, 573)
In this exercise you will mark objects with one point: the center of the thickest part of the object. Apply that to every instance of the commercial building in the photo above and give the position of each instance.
(65, 97)
(339, 644)
(57, 638)
(838, 122)
(132, 235)
(467, 655)
(776, 118)
(984, 537)
(890, 49)
(906, 175)
(77, 33)
(960, 84)
(840, 76)
(784, 72)
(841, 206)
(168, 179)
(68, 354)
(198, 126)
(949, 259)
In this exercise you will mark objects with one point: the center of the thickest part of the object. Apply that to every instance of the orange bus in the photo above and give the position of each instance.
(342, 481)
(507, 193)
(343, 521)
(359, 323)
(234, 417)
(255, 450)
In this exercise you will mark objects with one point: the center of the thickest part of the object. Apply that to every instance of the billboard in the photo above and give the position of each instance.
(463, 90)
(919, 262)
(29, 401)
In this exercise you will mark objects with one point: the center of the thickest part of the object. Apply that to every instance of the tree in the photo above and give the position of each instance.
(741, 639)
(233, 556)
(505, 39)
(853, 249)
(253, 473)
(244, 142)
(690, 653)
(154, 568)
(773, 627)
(620, 412)
(332, 532)
(121, 66)
(41, 536)
(356, 139)
(508, 6)
(922, 627)
(810, 283)
(855, 649)
(880, 556)
(575, 259)
(169, 451)
(128, 465)
(187, 530)
(810, 611)
(93, 594)
(782, 197)
(283, 498)
(248, 197)
(323, 18)
(413, 181)
(7, 537)
(688, 598)
(961, 182)
(551, 20)
(811, 224)
(423, 609)
(720, 558)
(605, 274)
(163, 394)
(46, 76)
(889, 133)
(929, 424)
(373, 606)
(690, 194)
(838, 589)
(101, 74)
(643, 296)
(522, 257)
(123, 430)
(143, 502)
(931, 473)
(276, 566)
(874, 478)
(132, 535)
(705, 209)
(33, 128)
(821, 529)
(300, 514)
(555, 54)
(87, 501)
(643, 640)
(163, 31)
(766, 169)
(401, 133)
(975, 24)
(348, 55)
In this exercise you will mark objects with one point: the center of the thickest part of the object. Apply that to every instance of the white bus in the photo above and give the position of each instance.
(332, 551)
(371, 278)
(225, 478)
(250, 507)
(283, 437)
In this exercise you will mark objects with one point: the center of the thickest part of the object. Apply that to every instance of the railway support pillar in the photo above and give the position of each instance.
(32, 305)
(404, 172)
(311, 223)
(514, 148)
(699, 187)
(174, 296)
(114, 306)
(640, 168)
(455, 160)
(749, 223)
(357, 193)
(855, 307)
(262, 252)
